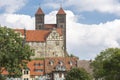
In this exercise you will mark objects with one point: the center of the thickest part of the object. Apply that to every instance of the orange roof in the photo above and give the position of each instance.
(39, 11)
(61, 11)
(5, 72)
(49, 68)
(36, 65)
(37, 35)
(20, 30)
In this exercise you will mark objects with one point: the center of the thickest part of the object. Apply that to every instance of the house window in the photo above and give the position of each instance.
(38, 64)
(51, 63)
(61, 63)
(26, 79)
(70, 62)
(25, 71)
(38, 70)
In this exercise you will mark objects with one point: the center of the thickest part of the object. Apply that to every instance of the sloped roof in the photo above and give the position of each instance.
(37, 35)
(31, 65)
(61, 11)
(39, 11)
(49, 68)
(86, 65)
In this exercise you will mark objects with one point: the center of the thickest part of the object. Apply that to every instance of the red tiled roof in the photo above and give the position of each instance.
(61, 11)
(4, 72)
(49, 68)
(37, 35)
(34, 35)
(39, 11)
(20, 30)
(32, 67)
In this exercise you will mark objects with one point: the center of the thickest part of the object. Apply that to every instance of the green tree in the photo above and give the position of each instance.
(77, 74)
(13, 52)
(106, 65)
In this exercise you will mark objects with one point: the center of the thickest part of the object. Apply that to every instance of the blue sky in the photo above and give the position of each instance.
(92, 26)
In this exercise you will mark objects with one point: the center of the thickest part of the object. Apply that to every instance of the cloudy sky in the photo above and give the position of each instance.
(92, 25)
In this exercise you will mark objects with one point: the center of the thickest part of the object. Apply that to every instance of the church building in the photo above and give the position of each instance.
(47, 40)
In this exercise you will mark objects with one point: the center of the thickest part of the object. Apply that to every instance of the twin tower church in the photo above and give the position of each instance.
(47, 40)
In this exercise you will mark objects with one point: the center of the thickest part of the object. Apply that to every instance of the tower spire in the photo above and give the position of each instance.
(61, 11)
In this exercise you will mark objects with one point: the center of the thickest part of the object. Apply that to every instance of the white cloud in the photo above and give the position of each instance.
(17, 21)
(85, 41)
(109, 6)
(11, 6)
(104, 6)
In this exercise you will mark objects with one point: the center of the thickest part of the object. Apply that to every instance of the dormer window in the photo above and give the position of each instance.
(51, 63)
(71, 63)
(61, 63)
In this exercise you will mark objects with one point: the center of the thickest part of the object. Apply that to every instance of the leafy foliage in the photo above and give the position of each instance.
(13, 52)
(106, 65)
(78, 74)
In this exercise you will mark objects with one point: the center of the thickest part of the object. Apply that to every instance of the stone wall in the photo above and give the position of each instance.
(53, 47)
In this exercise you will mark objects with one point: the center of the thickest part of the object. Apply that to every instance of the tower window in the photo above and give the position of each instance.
(61, 26)
(40, 26)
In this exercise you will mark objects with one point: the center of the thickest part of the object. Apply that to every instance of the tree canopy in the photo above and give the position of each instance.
(13, 51)
(78, 74)
(106, 65)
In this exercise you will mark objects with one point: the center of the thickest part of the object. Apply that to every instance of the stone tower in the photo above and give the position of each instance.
(61, 23)
(39, 19)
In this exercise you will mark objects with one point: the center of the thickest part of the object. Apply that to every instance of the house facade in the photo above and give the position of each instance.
(49, 68)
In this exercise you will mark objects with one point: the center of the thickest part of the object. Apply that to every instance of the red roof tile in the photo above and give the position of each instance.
(40, 66)
(39, 11)
(61, 11)
(37, 35)
(49, 68)
(20, 30)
